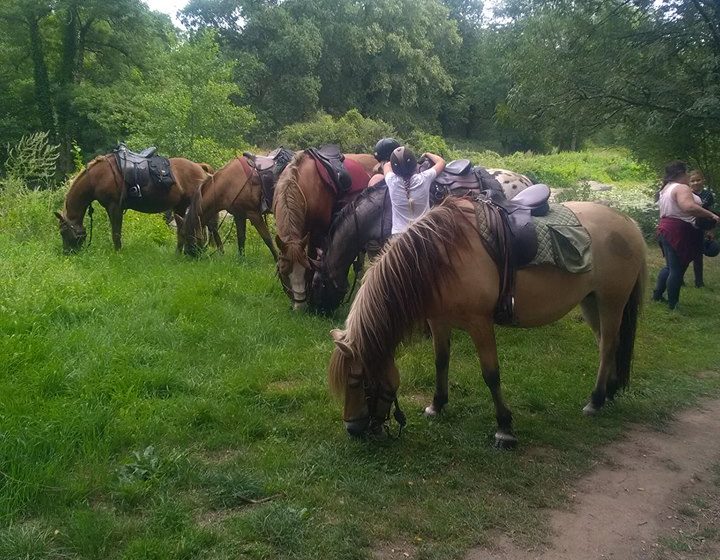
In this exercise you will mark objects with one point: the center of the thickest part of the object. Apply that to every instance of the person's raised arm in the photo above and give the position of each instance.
(438, 162)
(386, 168)
(686, 202)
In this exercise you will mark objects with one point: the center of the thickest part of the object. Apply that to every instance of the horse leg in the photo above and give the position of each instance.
(261, 227)
(241, 227)
(486, 347)
(213, 229)
(610, 315)
(441, 344)
(591, 314)
(115, 215)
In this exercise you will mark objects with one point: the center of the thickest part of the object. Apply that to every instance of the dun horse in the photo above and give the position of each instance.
(235, 188)
(366, 225)
(440, 271)
(101, 180)
(303, 207)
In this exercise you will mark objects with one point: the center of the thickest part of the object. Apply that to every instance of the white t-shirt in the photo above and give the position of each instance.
(409, 203)
(669, 207)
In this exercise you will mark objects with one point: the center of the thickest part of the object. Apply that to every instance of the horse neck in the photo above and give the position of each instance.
(361, 224)
(79, 197)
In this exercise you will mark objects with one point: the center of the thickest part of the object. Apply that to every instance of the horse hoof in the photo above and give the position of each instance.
(590, 409)
(504, 440)
(430, 412)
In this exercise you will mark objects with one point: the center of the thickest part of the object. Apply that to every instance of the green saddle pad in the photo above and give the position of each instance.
(562, 241)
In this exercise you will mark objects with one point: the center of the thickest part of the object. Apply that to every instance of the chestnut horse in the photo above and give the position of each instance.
(440, 271)
(235, 187)
(303, 207)
(102, 180)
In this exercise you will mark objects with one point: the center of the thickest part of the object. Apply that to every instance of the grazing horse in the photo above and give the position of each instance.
(102, 180)
(440, 270)
(367, 223)
(303, 206)
(235, 187)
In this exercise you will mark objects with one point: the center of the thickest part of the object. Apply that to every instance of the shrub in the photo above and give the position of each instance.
(352, 132)
(32, 161)
(423, 142)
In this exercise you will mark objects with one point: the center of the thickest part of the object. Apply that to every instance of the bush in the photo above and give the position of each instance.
(352, 132)
(423, 142)
(32, 161)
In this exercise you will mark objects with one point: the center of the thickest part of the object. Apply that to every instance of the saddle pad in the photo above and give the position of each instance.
(562, 241)
(358, 176)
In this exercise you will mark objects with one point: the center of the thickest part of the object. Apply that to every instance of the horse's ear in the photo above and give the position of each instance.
(179, 220)
(280, 243)
(341, 342)
(60, 217)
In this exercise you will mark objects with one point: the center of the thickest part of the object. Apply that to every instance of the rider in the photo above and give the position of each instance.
(409, 190)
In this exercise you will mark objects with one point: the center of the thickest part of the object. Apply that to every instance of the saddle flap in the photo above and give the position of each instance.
(263, 163)
(458, 167)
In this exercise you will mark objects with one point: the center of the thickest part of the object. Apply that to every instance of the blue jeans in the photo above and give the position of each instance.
(671, 276)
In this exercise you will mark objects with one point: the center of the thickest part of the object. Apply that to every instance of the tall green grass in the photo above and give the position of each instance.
(156, 407)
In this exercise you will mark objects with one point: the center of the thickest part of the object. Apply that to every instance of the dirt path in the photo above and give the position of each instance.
(654, 497)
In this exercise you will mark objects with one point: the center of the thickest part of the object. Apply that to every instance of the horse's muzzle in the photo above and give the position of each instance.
(358, 427)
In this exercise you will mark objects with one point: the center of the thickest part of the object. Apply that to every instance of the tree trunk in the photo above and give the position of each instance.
(66, 81)
(41, 78)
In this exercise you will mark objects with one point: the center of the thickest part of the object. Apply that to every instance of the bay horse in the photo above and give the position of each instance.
(366, 224)
(235, 187)
(440, 271)
(102, 180)
(303, 206)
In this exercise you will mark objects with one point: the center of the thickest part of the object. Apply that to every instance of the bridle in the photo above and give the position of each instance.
(375, 393)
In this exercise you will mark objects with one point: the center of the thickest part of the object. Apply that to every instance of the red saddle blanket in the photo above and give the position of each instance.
(359, 176)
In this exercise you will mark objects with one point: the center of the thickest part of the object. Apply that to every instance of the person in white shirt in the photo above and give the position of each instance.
(409, 190)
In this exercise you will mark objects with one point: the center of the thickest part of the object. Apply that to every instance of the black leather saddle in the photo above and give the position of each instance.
(460, 178)
(269, 168)
(507, 230)
(330, 157)
(141, 170)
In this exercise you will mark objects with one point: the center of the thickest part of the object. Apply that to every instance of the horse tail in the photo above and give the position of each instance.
(192, 223)
(628, 329)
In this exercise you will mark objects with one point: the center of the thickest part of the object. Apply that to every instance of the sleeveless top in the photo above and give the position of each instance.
(669, 207)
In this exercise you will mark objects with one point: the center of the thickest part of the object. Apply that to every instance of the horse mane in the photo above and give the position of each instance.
(290, 199)
(349, 209)
(82, 174)
(398, 287)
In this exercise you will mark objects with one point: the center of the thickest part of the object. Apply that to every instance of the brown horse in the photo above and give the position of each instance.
(102, 180)
(303, 207)
(235, 187)
(440, 271)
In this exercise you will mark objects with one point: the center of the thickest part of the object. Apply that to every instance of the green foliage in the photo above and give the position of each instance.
(188, 109)
(352, 132)
(422, 142)
(32, 161)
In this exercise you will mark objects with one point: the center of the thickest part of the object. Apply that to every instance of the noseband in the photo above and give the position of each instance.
(374, 394)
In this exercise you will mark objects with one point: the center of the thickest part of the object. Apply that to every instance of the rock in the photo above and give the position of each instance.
(597, 186)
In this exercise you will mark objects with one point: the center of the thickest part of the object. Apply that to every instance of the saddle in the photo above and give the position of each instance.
(269, 168)
(460, 178)
(508, 232)
(330, 159)
(143, 170)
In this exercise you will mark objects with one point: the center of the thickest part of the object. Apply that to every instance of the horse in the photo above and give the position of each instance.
(367, 223)
(303, 206)
(235, 188)
(440, 271)
(102, 180)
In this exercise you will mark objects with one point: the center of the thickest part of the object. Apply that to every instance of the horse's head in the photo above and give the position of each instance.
(73, 234)
(367, 395)
(294, 269)
(326, 292)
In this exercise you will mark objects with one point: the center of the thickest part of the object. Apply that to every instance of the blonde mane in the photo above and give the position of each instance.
(289, 205)
(398, 288)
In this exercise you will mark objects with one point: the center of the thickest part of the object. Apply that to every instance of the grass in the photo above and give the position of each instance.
(152, 407)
